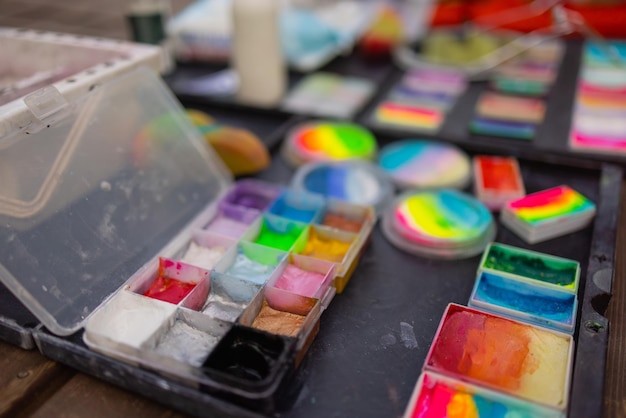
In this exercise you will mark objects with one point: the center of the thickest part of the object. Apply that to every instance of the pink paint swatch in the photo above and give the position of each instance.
(301, 282)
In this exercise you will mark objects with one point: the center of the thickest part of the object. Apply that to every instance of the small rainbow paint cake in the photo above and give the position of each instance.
(547, 214)
(440, 224)
(437, 396)
(328, 141)
(421, 164)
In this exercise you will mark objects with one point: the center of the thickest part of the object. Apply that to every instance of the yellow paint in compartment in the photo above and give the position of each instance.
(338, 247)
(325, 246)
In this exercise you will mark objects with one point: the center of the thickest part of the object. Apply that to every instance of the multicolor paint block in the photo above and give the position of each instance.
(438, 396)
(328, 141)
(547, 214)
(600, 110)
(329, 95)
(421, 164)
(420, 100)
(518, 359)
(443, 223)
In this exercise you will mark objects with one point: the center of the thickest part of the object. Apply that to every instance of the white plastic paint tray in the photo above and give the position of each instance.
(122, 180)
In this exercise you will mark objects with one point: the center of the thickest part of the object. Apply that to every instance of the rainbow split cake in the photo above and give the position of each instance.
(548, 214)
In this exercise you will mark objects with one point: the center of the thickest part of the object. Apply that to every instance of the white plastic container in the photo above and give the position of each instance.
(257, 57)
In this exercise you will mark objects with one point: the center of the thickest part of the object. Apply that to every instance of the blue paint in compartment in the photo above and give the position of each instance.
(519, 300)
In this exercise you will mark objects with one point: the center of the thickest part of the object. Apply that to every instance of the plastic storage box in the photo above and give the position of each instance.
(97, 218)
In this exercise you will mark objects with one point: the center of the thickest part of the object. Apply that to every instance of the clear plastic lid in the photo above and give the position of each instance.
(108, 183)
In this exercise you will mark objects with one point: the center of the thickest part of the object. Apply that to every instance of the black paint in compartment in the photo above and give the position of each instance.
(252, 368)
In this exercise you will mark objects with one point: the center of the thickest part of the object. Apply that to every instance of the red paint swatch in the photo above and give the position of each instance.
(499, 174)
(169, 290)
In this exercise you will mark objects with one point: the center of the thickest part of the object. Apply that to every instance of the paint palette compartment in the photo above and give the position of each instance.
(511, 357)
(438, 396)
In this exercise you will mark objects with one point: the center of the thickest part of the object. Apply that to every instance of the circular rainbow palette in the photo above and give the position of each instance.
(440, 224)
(328, 141)
(421, 164)
(355, 181)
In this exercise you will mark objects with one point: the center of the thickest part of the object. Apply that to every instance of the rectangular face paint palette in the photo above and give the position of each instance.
(510, 108)
(161, 260)
(438, 396)
(531, 266)
(326, 94)
(547, 214)
(497, 180)
(525, 301)
(507, 116)
(598, 119)
(420, 100)
(531, 73)
(517, 359)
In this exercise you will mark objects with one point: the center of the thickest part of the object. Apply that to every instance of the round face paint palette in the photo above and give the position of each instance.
(441, 224)
(422, 164)
(354, 181)
(328, 141)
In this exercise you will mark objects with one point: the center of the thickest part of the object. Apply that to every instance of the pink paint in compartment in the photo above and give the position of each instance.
(299, 283)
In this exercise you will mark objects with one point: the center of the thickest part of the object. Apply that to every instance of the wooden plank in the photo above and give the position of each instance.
(27, 379)
(84, 394)
(615, 381)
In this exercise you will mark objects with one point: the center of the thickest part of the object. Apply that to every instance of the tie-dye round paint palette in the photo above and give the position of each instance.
(328, 141)
(421, 164)
(443, 223)
(355, 181)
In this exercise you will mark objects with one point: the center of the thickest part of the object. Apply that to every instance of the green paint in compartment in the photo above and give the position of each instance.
(279, 233)
(543, 269)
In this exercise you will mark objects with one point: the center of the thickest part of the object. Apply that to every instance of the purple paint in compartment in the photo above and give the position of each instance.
(232, 221)
(252, 194)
